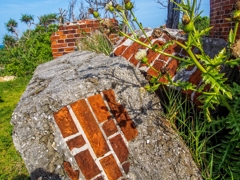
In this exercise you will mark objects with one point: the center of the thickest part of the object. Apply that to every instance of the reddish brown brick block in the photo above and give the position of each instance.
(76, 142)
(53, 38)
(158, 65)
(99, 108)
(120, 50)
(65, 122)
(126, 167)
(110, 167)
(87, 165)
(70, 40)
(69, 49)
(119, 148)
(124, 121)
(99, 178)
(73, 174)
(90, 127)
(62, 37)
(109, 128)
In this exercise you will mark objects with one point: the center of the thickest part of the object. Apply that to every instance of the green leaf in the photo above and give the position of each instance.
(153, 80)
(231, 37)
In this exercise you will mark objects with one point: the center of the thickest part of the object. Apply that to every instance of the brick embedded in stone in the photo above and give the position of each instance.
(87, 164)
(76, 142)
(119, 148)
(123, 119)
(109, 128)
(90, 127)
(126, 166)
(110, 167)
(65, 122)
(99, 108)
(73, 174)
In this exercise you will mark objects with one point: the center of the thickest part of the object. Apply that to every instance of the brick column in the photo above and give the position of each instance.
(96, 131)
(219, 11)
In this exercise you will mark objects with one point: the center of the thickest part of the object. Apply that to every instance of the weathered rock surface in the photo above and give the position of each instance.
(156, 153)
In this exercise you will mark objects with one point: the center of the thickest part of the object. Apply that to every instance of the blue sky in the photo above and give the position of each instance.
(148, 12)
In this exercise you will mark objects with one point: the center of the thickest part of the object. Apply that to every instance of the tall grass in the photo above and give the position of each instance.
(96, 42)
(189, 123)
(12, 166)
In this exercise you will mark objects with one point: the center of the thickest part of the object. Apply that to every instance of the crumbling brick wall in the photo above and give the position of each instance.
(64, 40)
(219, 11)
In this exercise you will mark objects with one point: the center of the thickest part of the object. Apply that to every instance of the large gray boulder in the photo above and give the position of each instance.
(56, 142)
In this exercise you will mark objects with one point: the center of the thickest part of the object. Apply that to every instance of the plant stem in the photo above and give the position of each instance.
(235, 31)
(127, 23)
(190, 53)
(140, 26)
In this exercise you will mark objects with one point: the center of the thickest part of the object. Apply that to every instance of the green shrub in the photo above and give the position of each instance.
(32, 49)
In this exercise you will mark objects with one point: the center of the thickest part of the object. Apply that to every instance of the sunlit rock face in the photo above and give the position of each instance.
(87, 116)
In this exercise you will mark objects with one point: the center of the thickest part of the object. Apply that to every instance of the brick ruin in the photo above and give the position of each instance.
(65, 39)
(220, 10)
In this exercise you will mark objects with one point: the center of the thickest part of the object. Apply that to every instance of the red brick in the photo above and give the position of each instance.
(120, 50)
(76, 35)
(62, 37)
(59, 33)
(110, 167)
(71, 44)
(83, 26)
(76, 142)
(73, 174)
(87, 164)
(61, 41)
(124, 121)
(99, 178)
(65, 122)
(172, 67)
(90, 127)
(99, 108)
(133, 61)
(109, 128)
(158, 65)
(54, 50)
(53, 38)
(58, 45)
(126, 167)
(72, 27)
(93, 25)
(132, 49)
(69, 49)
(196, 77)
(70, 40)
(119, 148)
(62, 28)
(70, 36)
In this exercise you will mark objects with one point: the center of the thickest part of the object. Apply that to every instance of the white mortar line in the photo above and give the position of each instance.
(87, 141)
(108, 141)
(72, 136)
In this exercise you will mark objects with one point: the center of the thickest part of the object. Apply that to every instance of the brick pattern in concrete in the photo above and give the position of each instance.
(97, 130)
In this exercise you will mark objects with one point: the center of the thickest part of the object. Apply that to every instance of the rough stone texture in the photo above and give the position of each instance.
(156, 153)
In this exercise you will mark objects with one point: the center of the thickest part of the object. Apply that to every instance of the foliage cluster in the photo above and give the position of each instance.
(201, 23)
(21, 55)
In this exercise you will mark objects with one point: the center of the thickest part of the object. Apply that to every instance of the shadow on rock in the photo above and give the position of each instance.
(21, 177)
(43, 175)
